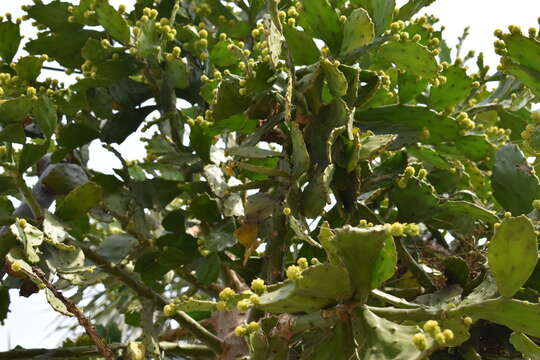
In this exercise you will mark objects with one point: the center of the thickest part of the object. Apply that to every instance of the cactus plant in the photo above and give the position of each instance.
(313, 180)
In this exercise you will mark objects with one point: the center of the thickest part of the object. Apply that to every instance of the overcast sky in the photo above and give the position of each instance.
(29, 322)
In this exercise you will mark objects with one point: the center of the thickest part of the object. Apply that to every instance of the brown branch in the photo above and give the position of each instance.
(128, 278)
(175, 348)
(83, 320)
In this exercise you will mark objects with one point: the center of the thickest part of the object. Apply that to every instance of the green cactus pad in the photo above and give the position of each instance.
(412, 7)
(520, 316)
(357, 32)
(472, 147)
(302, 47)
(228, 101)
(308, 293)
(337, 82)
(515, 185)
(191, 304)
(429, 156)
(528, 76)
(526, 346)
(513, 254)
(411, 57)
(462, 215)
(523, 50)
(409, 87)
(381, 11)
(367, 253)
(416, 202)
(456, 89)
(316, 194)
(300, 155)
(381, 339)
(387, 119)
(274, 39)
(371, 146)
(322, 21)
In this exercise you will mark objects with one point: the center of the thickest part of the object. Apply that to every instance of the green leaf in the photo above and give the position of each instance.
(208, 269)
(411, 57)
(357, 32)
(155, 193)
(323, 22)
(221, 56)
(525, 345)
(53, 15)
(63, 47)
(319, 286)
(30, 154)
(302, 47)
(15, 110)
(177, 71)
(112, 21)
(56, 303)
(45, 114)
(75, 135)
(10, 39)
(205, 208)
(251, 152)
(513, 254)
(117, 247)
(31, 238)
(79, 201)
(13, 133)
(29, 67)
(515, 185)
(123, 124)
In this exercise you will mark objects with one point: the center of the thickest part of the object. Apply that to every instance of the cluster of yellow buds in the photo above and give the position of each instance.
(409, 172)
(400, 229)
(200, 242)
(432, 328)
(246, 329)
(290, 15)
(465, 122)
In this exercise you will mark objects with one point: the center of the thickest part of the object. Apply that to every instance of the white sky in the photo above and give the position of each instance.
(30, 319)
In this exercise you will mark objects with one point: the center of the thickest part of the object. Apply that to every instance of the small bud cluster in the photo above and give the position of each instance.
(409, 172)
(246, 329)
(400, 229)
(531, 135)
(432, 328)
(465, 123)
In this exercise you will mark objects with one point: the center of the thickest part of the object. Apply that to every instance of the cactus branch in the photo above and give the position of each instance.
(143, 290)
(85, 351)
(83, 320)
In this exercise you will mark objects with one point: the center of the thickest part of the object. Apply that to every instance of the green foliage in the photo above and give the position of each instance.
(307, 200)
